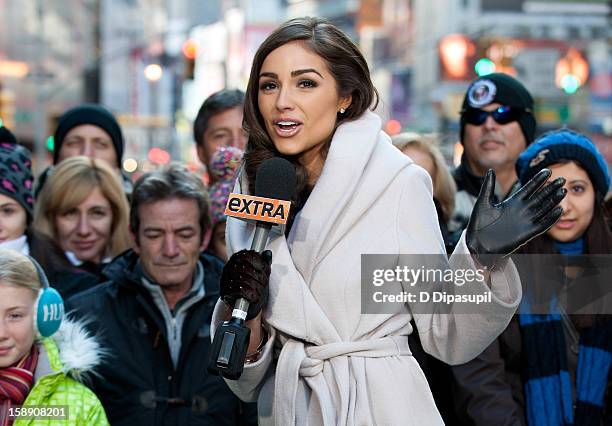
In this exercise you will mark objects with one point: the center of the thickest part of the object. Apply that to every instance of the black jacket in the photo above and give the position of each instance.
(66, 278)
(137, 383)
(489, 389)
(468, 188)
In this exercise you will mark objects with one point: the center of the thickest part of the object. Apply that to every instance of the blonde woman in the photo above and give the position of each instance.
(84, 209)
(41, 373)
(423, 150)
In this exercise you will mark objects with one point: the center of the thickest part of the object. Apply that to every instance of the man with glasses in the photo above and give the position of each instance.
(497, 123)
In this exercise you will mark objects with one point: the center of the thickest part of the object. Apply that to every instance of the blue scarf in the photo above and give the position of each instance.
(548, 389)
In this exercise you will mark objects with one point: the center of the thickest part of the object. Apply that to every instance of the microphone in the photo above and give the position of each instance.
(274, 187)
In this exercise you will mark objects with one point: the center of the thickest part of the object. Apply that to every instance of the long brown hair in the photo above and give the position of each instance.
(344, 61)
(597, 240)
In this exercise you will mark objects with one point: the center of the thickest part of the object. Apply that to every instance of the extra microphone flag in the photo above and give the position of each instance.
(274, 187)
(249, 207)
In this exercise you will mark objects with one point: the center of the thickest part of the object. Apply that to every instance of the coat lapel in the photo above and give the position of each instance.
(359, 166)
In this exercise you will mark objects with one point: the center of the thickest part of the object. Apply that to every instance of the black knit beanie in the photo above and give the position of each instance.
(7, 136)
(503, 89)
(88, 114)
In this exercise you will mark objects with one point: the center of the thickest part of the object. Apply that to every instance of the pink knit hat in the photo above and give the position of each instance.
(224, 165)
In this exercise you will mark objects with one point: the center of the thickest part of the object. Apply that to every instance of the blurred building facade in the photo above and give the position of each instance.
(153, 62)
(142, 70)
(48, 62)
(560, 50)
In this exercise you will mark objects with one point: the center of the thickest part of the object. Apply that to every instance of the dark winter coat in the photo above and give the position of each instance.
(138, 385)
(468, 188)
(489, 390)
(63, 276)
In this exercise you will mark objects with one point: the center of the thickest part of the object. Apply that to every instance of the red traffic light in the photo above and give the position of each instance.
(190, 49)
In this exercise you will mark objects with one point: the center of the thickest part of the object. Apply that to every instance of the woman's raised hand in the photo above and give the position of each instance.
(496, 230)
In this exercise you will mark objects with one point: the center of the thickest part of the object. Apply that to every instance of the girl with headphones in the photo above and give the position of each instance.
(43, 357)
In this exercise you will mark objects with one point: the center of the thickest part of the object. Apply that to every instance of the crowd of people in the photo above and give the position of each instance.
(111, 290)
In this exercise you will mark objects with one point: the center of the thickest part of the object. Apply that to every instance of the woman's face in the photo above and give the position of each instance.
(298, 100)
(578, 205)
(13, 219)
(85, 230)
(16, 323)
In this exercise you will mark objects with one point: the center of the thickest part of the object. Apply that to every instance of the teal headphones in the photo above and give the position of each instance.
(49, 310)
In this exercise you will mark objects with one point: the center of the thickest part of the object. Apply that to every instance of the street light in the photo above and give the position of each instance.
(153, 72)
(190, 49)
(571, 71)
(190, 52)
(15, 69)
(455, 49)
(130, 165)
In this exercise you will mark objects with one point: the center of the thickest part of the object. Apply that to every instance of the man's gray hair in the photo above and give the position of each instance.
(171, 181)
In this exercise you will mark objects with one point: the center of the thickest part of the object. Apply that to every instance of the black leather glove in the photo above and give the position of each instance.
(246, 275)
(496, 230)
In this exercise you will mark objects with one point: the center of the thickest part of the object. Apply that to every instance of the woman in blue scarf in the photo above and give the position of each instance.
(551, 367)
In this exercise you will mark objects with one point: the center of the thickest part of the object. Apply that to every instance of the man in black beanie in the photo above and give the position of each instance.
(92, 131)
(88, 130)
(497, 123)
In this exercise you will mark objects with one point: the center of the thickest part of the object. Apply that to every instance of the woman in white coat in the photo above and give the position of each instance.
(314, 357)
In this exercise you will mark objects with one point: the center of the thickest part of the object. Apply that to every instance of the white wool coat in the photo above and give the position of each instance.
(325, 362)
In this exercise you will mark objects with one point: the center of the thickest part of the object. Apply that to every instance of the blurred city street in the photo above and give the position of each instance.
(257, 212)
(153, 62)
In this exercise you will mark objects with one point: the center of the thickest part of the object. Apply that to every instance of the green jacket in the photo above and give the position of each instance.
(63, 361)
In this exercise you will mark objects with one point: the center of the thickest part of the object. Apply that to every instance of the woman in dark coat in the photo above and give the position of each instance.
(16, 215)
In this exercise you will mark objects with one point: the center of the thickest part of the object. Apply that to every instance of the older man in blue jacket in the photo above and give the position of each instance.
(153, 315)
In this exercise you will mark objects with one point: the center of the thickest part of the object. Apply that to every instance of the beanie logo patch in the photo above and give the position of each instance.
(538, 158)
(481, 93)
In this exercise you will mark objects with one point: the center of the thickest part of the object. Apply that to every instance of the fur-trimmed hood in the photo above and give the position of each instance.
(72, 350)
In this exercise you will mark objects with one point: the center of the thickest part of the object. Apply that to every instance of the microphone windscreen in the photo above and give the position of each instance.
(275, 179)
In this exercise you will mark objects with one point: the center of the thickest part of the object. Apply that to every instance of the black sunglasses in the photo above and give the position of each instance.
(501, 115)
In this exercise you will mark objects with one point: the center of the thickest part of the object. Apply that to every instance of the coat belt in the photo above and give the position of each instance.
(307, 361)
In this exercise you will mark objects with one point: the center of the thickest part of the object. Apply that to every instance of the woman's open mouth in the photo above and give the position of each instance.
(287, 128)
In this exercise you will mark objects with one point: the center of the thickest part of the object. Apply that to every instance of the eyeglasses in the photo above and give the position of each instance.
(501, 115)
